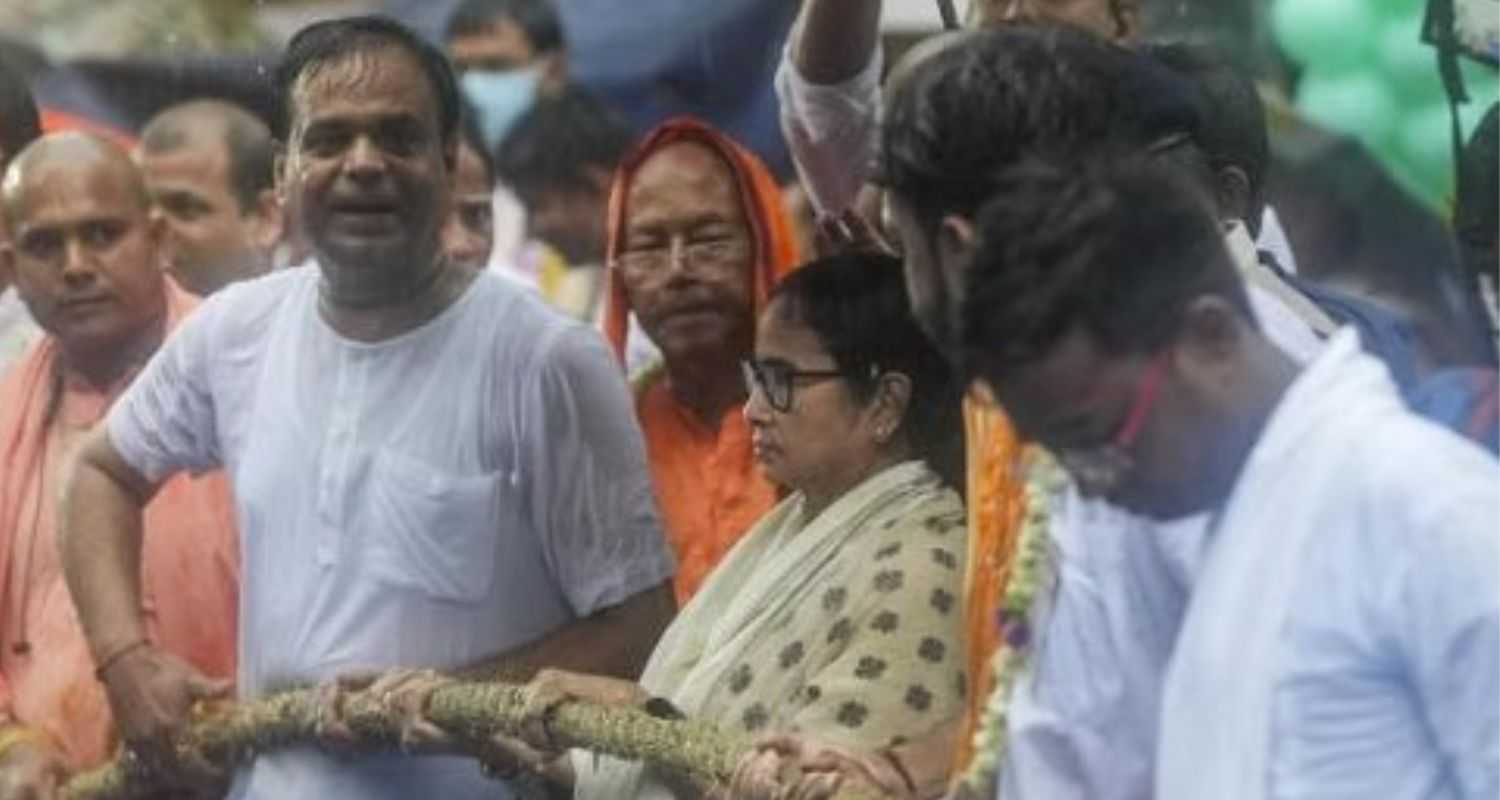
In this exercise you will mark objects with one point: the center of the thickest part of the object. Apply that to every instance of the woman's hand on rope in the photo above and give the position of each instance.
(790, 766)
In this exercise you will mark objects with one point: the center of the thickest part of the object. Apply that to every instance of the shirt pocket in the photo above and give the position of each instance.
(434, 531)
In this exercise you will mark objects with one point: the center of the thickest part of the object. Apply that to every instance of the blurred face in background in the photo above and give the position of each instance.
(469, 233)
(502, 73)
(571, 216)
(212, 238)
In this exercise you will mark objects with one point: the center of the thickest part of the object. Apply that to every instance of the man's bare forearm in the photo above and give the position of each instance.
(99, 542)
(833, 40)
(615, 642)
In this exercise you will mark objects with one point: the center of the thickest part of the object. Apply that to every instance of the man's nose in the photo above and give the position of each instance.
(78, 262)
(365, 158)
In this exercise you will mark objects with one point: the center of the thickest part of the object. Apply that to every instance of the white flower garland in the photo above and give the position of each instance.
(1032, 570)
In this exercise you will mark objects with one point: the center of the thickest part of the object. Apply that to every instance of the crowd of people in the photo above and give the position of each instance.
(1020, 461)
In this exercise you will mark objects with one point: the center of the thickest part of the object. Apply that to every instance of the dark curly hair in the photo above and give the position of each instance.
(1118, 245)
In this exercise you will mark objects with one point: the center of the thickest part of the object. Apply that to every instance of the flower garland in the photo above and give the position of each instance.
(1032, 571)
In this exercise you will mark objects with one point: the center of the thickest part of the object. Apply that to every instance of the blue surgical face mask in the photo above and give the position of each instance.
(500, 99)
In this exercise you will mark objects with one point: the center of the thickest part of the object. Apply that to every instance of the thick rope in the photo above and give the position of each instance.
(472, 713)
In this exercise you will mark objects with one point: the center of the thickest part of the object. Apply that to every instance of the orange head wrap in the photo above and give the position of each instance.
(770, 226)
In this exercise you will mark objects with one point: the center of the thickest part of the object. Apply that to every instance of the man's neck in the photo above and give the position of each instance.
(709, 388)
(1269, 374)
(437, 289)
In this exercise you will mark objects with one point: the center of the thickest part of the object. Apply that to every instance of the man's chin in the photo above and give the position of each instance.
(95, 334)
(365, 255)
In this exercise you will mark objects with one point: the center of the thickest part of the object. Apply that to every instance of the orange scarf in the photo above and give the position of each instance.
(997, 504)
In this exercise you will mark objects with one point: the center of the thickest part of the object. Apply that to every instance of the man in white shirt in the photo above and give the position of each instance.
(1082, 721)
(1342, 639)
(431, 469)
(20, 125)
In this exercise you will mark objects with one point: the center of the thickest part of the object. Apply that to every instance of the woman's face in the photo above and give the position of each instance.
(823, 438)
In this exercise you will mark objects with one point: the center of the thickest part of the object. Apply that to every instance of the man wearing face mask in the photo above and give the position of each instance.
(508, 53)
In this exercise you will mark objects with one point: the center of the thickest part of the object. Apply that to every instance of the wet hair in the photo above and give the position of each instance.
(468, 132)
(856, 305)
(247, 139)
(558, 141)
(322, 43)
(966, 113)
(20, 121)
(1117, 245)
(538, 19)
(1232, 119)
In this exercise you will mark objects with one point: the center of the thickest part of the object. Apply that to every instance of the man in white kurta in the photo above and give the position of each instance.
(1341, 630)
(427, 501)
(1343, 638)
(430, 468)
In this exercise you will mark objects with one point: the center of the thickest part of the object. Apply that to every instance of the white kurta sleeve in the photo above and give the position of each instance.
(165, 422)
(1447, 602)
(592, 502)
(832, 130)
(1083, 720)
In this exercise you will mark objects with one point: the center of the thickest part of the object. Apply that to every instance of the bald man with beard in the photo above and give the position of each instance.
(84, 255)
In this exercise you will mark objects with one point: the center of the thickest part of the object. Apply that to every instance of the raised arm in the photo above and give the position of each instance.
(834, 40)
(829, 87)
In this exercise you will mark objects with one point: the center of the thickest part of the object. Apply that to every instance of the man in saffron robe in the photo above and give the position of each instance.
(84, 255)
(697, 237)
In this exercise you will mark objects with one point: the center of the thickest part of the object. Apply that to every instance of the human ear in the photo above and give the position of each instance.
(1232, 191)
(890, 405)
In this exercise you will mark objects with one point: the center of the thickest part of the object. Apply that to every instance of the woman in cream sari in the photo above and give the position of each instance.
(839, 613)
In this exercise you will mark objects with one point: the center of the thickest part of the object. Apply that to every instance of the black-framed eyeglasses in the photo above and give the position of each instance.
(775, 379)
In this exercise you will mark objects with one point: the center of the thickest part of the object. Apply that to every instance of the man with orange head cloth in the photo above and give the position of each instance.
(697, 237)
